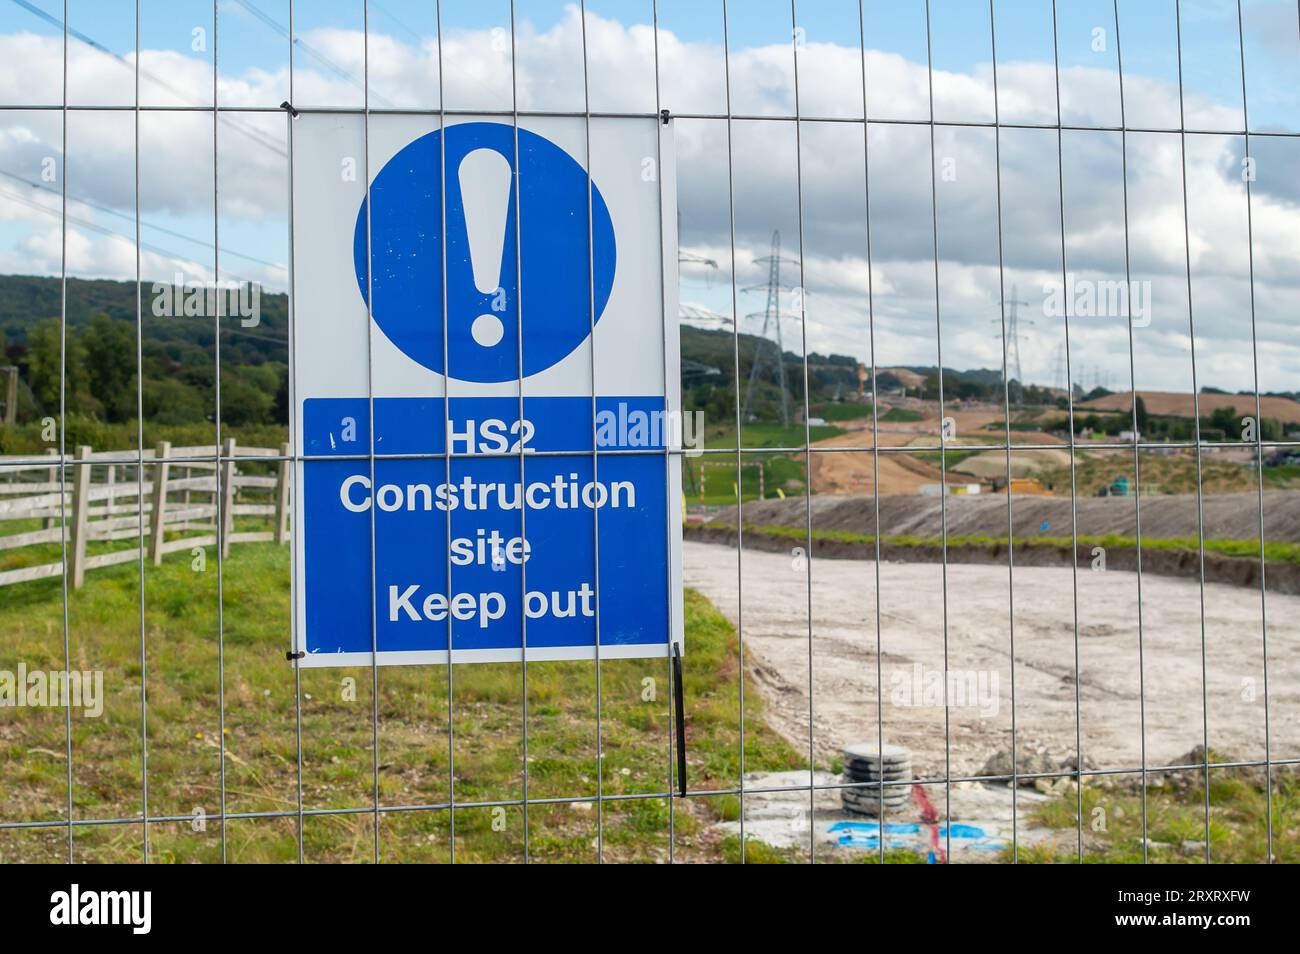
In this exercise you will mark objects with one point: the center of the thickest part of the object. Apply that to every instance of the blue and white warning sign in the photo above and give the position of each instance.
(486, 390)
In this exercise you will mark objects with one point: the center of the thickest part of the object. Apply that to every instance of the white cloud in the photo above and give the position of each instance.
(176, 185)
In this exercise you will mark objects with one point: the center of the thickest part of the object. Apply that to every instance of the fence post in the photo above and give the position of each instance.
(227, 491)
(158, 518)
(80, 516)
(282, 497)
(53, 476)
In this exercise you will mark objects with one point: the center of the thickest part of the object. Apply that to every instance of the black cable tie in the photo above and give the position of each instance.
(665, 115)
(291, 656)
(286, 105)
(680, 692)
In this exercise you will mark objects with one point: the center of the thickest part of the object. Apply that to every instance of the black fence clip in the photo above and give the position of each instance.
(291, 656)
(664, 116)
(679, 692)
(286, 105)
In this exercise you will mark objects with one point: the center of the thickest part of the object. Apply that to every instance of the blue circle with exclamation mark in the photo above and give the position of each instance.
(566, 280)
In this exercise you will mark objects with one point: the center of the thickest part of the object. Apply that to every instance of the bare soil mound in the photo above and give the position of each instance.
(1227, 516)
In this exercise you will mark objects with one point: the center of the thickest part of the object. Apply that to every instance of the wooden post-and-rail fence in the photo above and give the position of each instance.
(190, 494)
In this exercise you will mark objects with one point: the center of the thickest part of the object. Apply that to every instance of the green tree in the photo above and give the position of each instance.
(111, 366)
(46, 356)
(243, 402)
(169, 401)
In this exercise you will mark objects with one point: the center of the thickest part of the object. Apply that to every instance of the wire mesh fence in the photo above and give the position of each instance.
(989, 529)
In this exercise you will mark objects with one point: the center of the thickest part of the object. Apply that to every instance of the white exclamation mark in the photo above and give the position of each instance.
(485, 195)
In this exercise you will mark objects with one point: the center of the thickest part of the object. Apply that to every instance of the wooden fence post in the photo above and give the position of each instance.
(282, 497)
(158, 518)
(227, 491)
(80, 516)
(53, 476)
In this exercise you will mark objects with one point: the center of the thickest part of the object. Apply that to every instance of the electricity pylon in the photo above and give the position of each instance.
(1012, 344)
(771, 315)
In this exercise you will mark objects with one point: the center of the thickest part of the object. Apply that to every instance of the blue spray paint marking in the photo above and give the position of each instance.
(907, 836)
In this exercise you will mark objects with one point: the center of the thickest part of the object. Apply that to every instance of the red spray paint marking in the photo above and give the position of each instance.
(930, 818)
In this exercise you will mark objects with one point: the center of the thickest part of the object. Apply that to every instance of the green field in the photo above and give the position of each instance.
(787, 471)
(842, 411)
(902, 415)
(338, 720)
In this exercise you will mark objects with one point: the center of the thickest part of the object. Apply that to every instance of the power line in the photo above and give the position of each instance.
(150, 225)
(338, 70)
(88, 224)
(232, 122)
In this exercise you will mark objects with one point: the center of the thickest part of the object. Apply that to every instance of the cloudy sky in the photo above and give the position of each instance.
(810, 183)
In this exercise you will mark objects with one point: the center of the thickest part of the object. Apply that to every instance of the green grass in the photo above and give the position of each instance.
(950, 456)
(784, 471)
(901, 415)
(184, 728)
(842, 411)
(770, 434)
(779, 470)
(1175, 814)
(1282, 477)
(1163, 474)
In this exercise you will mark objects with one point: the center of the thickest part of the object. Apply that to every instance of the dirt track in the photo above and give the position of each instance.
(975, 617)
(901, 473)
(852, 473)
(1227, 516)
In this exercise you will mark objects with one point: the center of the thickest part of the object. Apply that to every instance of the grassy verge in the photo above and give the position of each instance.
(1274, 552)
(339, 729)
(1165, 474)
(1175, 815)
(759, 434)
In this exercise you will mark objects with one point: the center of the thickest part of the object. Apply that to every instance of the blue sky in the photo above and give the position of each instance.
(253, 32)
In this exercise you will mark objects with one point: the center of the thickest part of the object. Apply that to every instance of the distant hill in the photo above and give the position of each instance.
(1179, 404)
(906, 377)
(26, 299)
(179, 356)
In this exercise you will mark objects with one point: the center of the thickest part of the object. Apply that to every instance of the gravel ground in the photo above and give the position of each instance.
(1111, 702)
